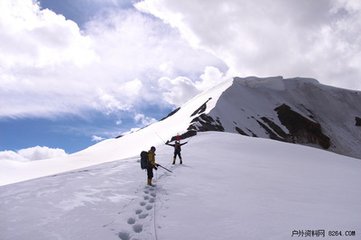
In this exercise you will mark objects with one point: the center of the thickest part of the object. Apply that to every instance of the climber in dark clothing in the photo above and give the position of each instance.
(177, 150)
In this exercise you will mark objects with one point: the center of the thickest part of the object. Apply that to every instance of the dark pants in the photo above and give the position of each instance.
(150, 172)
(177, 153)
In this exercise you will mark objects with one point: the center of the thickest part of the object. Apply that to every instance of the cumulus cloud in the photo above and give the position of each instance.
(97, 138)
(178, 90)
(318, 39)
(32, 154)
(211, 77)
(36, 38)
(123, 59)
(11, 155)
(50, 67)
(143, 120)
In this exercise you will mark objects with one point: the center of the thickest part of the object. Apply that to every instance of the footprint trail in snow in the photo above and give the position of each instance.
(142, 217)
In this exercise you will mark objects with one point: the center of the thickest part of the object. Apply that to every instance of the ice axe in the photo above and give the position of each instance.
(164, 168)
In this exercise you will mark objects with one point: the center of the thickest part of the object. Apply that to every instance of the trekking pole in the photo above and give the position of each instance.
(164, 168)
(159, 137)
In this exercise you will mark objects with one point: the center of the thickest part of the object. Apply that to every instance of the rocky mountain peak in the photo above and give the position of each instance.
(295, 110)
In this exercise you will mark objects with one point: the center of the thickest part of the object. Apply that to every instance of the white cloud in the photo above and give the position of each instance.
(110, 103)
(97, 138)
(124, 59)
(144, 120)
(32, 154)
(49, 67)
(132, 130)
(36, 38)
(211, 77)
(319, 39)
(178, 90)
(11, 155)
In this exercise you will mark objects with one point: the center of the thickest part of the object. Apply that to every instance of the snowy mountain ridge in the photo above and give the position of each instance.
(230, 186)
(298, 110)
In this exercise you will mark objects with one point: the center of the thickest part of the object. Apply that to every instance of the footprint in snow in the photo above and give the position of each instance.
(151, 200)
(131, 220)
(137, 228)
(138, 211)
(143, 215)
(146, 197)
(124, 236)
(153, 194)
(148, 207)
(142, 203)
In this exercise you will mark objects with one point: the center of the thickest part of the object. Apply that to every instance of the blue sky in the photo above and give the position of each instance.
(75, 72)
(82, 11)
(70, 132)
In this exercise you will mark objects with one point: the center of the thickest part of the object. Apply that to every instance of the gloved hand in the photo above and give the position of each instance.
(155, 167)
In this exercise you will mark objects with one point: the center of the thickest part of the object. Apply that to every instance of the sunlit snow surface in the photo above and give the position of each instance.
(229, 187)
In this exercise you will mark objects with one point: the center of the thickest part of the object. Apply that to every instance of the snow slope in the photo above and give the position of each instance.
(238, 105)
(324, 116)
(230, 187)
(112, 149)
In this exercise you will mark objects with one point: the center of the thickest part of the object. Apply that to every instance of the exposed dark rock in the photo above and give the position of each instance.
(240, 131)
(205, 123)
(271, 134)
(302, 129)
(185, 135)
(358, 121)
(275, 128)
(311, 115)
(253, 134)
(201, 109)
(171, 113)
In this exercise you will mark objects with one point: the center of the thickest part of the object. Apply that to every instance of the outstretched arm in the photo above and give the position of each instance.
(167, 143)
(184, 143)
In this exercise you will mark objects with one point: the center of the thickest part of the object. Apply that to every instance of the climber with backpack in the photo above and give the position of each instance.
(147, 161)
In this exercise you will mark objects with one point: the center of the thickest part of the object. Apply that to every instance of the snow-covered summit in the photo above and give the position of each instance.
(275, 83)
(297, 110)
